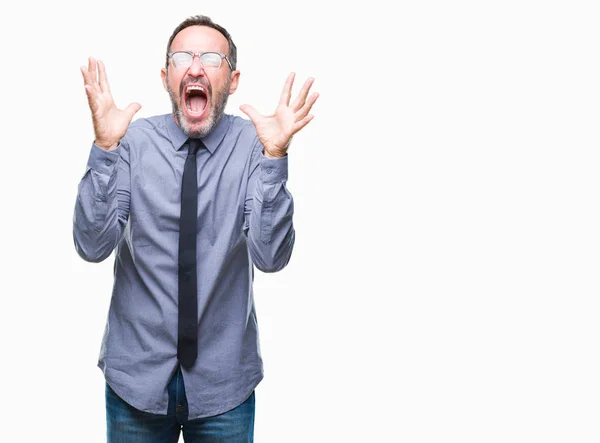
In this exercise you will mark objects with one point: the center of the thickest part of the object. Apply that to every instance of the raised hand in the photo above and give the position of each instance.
(275, 131)
(110, 122)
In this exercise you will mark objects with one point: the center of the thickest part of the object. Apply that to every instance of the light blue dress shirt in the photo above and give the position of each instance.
(129, 199)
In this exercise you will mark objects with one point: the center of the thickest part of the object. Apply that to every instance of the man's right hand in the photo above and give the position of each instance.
(110, 123)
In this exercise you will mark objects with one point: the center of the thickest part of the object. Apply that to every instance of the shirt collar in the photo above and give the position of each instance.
(211, 141)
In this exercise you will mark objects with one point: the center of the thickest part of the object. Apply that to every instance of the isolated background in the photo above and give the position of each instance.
(444, 285)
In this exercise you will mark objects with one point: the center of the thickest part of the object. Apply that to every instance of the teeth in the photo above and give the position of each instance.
(195, 88)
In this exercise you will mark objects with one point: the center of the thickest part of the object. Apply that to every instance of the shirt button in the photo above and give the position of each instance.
(107, 162)
(269, 170)
(103, 198)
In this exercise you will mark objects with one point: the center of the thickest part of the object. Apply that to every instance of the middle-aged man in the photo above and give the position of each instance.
(191, 201)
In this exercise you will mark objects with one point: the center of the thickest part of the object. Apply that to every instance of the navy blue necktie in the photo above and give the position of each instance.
(187, 331)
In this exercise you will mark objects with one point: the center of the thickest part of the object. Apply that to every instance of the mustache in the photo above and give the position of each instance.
(197, 81)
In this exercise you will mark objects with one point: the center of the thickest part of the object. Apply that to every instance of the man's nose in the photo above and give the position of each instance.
(196, 68)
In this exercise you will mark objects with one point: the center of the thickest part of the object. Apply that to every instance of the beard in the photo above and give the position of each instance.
(215, 113)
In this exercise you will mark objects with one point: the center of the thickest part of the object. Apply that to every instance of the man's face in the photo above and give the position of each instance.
(199, 94)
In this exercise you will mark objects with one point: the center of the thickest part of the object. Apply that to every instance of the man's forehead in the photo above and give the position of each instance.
(196, 38)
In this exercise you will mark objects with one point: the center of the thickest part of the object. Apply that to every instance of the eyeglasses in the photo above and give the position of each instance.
(209, 60)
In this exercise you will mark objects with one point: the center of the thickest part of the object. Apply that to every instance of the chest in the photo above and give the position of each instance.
(156, 178)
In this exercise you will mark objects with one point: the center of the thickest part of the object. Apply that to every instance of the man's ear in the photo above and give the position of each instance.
(163, 75)
(235, 78)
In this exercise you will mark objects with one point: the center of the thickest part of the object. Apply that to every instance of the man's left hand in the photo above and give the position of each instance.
(275, 131)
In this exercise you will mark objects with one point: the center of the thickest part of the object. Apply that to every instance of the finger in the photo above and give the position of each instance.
(89, 90)
(94, 73)
(307, 106)
(87, 81)
(83, 70)
(301, 99)
(92, 70)
(287, 90)
(302, 123)
(91, 75)
(103, 78)
(86, 74)
(88, 93)
(252, 113)
(132, 109)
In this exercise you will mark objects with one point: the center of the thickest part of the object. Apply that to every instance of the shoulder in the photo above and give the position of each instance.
(243, 132)
(241, 127)
(143, 131)
(148, 124)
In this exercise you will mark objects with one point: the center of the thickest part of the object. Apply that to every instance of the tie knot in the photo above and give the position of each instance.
(194, 145)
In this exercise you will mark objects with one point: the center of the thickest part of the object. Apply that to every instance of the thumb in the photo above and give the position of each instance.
(251, 112)
(132, 109)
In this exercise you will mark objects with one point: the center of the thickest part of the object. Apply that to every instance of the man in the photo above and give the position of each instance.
(191, 201)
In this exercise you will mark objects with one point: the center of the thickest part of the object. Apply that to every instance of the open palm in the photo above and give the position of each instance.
(110, 122)
(276, 131)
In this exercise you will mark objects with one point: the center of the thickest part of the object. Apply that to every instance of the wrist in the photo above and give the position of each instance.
(107, 146)
(273, 155)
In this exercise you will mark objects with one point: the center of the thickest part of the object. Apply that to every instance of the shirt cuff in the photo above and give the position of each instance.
(103, 161)
(273, 170)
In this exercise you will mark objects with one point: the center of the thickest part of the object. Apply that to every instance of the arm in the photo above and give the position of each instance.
(268, 212)
(102, 205)
(269, 206)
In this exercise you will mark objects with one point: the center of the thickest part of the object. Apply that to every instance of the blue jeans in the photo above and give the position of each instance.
(126, 424)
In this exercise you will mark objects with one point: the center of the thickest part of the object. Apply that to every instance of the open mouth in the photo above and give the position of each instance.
(195, 100)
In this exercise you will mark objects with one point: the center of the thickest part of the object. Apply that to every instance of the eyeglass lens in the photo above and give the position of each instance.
(208, 59)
